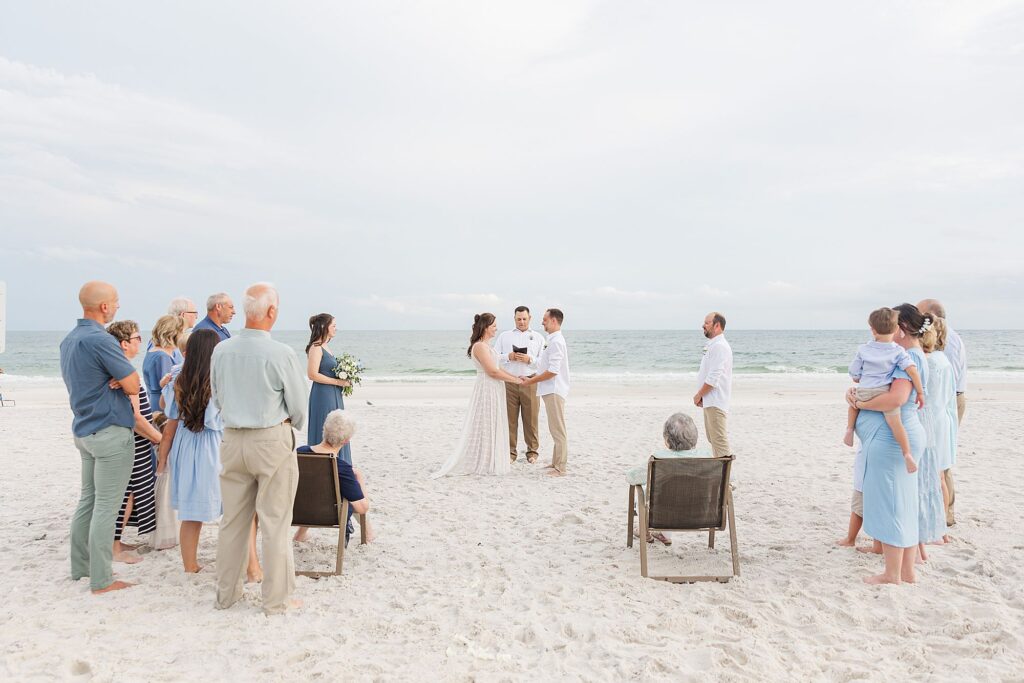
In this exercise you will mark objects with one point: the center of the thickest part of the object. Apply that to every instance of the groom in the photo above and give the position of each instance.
(553, 387)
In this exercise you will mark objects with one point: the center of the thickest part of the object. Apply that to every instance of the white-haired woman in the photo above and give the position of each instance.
(338, 430)
(680, 435)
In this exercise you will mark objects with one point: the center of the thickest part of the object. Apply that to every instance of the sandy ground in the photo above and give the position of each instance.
(526, 577)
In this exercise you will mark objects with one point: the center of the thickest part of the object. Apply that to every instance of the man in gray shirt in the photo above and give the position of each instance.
(99, 379)
(259, 386)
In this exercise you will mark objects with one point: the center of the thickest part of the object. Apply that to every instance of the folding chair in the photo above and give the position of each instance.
(318, 503)
(686, 494)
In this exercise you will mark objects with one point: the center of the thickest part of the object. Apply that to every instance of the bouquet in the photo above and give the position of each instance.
(349, 368)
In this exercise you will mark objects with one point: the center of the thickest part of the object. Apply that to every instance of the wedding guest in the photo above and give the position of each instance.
(192, 447)
(180, 307)
(139, 506)
(219, 312)
(957, 356)
(680, 437)
(891, 502)
(102, 426)
(715, 384)
(166, 380)
(518, 352)
(258, 386)
(326, 393)
(161, 357)
(941, 409)
(553, 387)
(338, 429)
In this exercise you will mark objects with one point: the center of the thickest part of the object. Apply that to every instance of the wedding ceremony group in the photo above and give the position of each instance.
(208, 432)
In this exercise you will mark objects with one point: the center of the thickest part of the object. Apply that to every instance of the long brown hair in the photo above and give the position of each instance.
(481, 321)
(318, 325)
(192, 388)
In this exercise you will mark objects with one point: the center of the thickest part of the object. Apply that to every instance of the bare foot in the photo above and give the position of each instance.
(908, 577)
(254, 577)
(947, 539)
(848, 438)
(127, 557)
(911, 465)
(922, 556)
(555, 473)
(115, 586)
(878, 579)
(194, 569)
(301, 535)
(869, 549)
(846, 543)
(549, 467)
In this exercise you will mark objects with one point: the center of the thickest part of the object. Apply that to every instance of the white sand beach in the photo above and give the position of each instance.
(527, 577)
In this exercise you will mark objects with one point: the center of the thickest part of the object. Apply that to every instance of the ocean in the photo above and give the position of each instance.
(631, 356)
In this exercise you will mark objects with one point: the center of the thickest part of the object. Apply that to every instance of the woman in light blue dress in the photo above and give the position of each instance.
(891, 499)
(192, 439)
(941, 409)
(326, 393)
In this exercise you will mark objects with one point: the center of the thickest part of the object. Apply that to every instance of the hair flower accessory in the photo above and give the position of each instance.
(927, 326)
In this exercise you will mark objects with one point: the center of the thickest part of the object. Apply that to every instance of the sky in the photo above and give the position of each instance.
(403, 165)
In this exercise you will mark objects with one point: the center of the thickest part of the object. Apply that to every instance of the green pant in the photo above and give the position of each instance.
(107, 458)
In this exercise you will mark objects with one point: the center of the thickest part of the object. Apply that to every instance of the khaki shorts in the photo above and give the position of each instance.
(868, 394)
(857, 503)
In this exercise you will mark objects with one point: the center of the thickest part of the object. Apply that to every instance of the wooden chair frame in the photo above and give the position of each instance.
(638, 505)
(342, 506)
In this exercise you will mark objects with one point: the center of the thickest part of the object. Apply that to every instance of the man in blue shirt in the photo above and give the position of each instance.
(99, 379)
(219, 312)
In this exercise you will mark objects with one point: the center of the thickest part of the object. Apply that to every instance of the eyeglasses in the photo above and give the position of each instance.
(193, 312)
(135, 337)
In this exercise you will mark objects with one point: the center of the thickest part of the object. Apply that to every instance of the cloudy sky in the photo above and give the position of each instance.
(404, 164)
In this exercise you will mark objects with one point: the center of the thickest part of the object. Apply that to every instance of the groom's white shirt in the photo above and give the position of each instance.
(530, 340)
(554, 358)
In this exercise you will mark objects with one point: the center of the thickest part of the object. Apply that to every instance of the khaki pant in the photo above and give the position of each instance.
(522, 399)
(554, 406)
(259, 476)
(714, 427)
(947, 475)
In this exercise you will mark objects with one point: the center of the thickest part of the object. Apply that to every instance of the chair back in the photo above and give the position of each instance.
(318, 498)
(687, 494)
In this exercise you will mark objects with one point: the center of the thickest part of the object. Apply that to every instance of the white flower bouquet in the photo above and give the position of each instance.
(349, 368)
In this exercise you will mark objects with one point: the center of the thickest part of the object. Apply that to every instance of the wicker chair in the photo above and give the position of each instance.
(318, 503)
(685, 494)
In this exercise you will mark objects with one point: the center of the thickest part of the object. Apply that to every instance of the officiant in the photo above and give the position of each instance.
(518, 351)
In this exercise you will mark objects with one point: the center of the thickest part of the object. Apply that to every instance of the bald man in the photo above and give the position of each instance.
(91, 363)
(958, 359)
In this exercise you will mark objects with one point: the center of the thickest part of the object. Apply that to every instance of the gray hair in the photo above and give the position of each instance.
(338, 427)
(179, 305)
(680, 432)
(218, 298)
(933, 306)
(258, 300)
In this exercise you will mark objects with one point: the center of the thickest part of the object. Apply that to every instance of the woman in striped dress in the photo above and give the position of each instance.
(139, 506)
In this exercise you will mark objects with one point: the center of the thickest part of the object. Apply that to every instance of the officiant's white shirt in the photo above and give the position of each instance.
(554, 358)
(532, 341)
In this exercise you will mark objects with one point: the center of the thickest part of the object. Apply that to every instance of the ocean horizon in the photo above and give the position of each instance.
(633, 356)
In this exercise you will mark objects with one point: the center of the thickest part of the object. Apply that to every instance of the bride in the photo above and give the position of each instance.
(483, 448)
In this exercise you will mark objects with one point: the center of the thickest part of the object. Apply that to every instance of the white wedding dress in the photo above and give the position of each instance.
(483, 448)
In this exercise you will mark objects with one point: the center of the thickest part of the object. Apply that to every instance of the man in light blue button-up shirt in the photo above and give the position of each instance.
(259, 386)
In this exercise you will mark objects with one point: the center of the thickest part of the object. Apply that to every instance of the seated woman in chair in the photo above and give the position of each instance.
(338, 431)
(680, 435)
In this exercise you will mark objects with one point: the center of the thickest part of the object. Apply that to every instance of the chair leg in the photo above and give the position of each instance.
(642, 511)
(630, 516)
(732, 537)
(711, 538)
(341, 549)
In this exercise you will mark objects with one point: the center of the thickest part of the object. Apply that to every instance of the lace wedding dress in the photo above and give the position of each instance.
(483, 448)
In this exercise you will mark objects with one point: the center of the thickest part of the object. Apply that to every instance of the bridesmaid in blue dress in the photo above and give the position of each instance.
(891, 498)
(326, 393)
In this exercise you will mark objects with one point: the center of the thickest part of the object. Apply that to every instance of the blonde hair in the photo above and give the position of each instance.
(183, 341)
(934, 338)
(168, 330)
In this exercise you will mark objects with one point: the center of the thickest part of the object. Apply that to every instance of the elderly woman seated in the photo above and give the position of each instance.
(338, 430)
(680, 435)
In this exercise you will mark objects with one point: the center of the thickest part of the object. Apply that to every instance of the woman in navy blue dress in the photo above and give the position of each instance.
(326, 393)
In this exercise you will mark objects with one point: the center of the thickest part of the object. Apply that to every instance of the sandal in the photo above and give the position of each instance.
(658, 536)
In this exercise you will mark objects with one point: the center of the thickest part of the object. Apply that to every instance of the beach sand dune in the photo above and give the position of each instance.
(525, 577)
